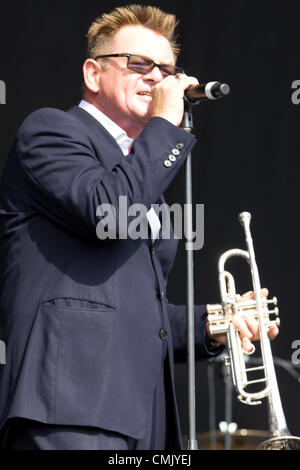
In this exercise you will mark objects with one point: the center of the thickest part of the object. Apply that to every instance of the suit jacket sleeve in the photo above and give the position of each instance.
(65, 179)
(177, 317)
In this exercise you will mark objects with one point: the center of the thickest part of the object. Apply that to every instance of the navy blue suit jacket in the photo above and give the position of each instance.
(81, 316)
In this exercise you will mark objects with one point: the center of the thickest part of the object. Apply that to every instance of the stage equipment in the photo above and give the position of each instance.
(187, 125)
(220, 321)
(242, 439)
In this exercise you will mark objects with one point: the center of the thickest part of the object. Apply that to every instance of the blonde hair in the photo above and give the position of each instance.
(106, 26)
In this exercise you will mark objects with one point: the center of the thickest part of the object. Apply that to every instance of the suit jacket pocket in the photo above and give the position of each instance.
(87, 338)
(79, 304)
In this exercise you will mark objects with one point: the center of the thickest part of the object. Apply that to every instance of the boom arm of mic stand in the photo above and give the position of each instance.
(187, 124)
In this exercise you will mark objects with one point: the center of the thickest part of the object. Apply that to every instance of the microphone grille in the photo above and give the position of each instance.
(225, 89)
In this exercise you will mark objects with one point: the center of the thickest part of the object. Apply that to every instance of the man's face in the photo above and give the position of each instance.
(123, 93)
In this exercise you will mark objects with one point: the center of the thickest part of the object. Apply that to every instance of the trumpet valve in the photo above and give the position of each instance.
(276, 322)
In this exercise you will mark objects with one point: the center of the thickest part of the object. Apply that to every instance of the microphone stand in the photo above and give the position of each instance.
(228, 410)
(187, 125)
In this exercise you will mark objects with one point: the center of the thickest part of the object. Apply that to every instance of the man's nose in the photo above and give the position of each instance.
(154, 75)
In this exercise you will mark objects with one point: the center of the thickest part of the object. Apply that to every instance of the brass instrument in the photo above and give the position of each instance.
(220, 321)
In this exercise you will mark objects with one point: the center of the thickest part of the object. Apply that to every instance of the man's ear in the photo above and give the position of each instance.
(91, 75)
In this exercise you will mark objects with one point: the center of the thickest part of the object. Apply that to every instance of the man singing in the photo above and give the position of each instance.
(90, 335)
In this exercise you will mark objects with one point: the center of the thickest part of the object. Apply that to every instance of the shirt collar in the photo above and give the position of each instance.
(115, 131)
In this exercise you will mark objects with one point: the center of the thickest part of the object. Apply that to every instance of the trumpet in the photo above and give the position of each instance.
(266, 312)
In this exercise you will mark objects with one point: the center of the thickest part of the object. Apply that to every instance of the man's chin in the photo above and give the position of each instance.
(144, 117)
(144, 113)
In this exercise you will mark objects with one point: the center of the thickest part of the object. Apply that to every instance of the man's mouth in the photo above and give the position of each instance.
(145, 93)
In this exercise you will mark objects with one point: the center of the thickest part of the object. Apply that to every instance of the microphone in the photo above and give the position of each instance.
(207, 91)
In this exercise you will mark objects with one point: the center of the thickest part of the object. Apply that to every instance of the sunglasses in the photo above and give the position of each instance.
(140, 64)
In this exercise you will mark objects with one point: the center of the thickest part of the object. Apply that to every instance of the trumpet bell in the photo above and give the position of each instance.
(280, 443)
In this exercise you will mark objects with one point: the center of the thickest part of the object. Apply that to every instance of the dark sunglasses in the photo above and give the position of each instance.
(140, 64)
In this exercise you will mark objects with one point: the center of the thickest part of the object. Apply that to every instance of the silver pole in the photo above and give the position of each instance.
(192, 441)
(187, 124)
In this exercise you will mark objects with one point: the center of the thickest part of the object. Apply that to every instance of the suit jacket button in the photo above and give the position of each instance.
(176, 152)
(163, 334)
(180, 145)
(167, 163)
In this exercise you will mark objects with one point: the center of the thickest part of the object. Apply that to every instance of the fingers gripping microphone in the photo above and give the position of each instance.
(207, 91)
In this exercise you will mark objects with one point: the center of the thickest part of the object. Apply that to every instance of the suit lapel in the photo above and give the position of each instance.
(107, 150)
